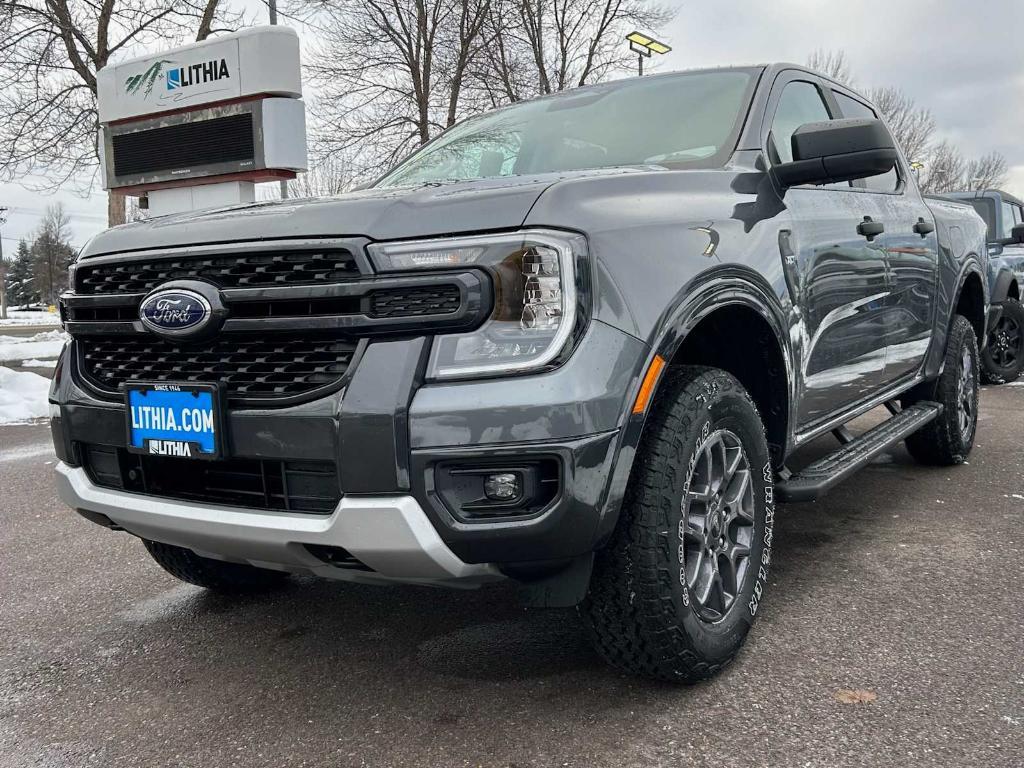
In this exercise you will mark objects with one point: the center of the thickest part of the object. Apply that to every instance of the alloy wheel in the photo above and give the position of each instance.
(966, 394)
(1006, 343)
(716, 528)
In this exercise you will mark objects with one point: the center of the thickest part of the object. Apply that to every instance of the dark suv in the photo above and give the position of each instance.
(1003, 358)
(573, 342)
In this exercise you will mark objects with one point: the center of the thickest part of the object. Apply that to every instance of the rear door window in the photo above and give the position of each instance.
(1009, 212)
(885, 182)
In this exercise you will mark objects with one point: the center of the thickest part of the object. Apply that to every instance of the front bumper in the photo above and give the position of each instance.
(385, 433)
(391, 535)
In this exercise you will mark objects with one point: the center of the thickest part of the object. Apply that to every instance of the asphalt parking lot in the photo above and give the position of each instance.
(903, 586)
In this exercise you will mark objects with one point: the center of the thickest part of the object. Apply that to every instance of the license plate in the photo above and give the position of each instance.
(180, 420)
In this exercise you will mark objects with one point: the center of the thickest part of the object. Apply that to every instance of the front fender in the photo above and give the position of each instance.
(949, 295)
(727, 285)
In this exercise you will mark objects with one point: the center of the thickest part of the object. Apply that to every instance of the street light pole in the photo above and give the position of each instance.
(644, 46)
(272, 7)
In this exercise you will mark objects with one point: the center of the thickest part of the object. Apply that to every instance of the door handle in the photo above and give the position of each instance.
(870, 229)
(924, 228)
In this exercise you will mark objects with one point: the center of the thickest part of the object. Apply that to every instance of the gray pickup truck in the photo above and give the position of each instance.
(1003, 358)
(574, 343)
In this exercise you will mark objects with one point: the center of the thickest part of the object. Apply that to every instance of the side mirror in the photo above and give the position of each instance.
(838, 150)
(1017, 234)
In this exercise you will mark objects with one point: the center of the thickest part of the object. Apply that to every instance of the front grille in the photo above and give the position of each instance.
(290, 486)
(186, 145)
(247, 366)
(236, 270)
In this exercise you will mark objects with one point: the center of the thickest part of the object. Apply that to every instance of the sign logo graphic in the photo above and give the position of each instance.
(144, 82)
(177, 77)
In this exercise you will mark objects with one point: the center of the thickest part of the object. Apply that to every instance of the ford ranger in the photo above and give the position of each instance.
(573, 343)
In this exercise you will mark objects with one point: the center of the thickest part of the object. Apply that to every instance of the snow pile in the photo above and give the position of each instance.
(22, 396)
(21, 317)
(45, 345)
(39, 363)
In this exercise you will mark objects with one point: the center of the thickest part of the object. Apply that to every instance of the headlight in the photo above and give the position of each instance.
(536, 297)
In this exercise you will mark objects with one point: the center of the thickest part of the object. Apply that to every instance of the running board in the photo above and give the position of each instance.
(815, 480)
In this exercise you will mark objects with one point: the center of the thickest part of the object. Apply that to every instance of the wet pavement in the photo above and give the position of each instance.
(904, 584)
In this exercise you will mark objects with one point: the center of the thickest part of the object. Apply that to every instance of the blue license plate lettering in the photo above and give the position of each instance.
(173, 420)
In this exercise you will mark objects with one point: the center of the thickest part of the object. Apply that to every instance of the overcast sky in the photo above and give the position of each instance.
(964, 61)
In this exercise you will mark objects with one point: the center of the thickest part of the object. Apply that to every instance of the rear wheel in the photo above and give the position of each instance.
(949, 438)
(677, 588)
(1003, 358)
(216, 575)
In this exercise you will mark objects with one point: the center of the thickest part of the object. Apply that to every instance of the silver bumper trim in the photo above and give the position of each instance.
(390, 534)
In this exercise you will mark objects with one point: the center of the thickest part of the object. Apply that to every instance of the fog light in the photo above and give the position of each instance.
(502, 486)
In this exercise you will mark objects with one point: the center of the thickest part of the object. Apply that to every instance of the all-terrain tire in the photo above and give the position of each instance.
(216, 575)
(948, 439)
(642, 615)
(1003, 358)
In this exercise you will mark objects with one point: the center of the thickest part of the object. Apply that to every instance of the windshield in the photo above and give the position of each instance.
(670, 120)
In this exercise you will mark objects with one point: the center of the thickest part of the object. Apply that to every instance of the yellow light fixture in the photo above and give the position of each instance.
(645, 45)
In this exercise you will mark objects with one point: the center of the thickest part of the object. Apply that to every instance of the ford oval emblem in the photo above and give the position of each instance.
(175, 312)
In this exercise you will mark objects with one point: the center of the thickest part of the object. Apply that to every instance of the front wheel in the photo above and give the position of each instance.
(948, 439)
(674, 593)
(1003, 358)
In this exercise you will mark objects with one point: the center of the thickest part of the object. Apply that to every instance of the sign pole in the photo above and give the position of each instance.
(3, 270)
(272, 5)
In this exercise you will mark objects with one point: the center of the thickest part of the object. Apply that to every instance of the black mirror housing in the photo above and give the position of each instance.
(838, 150)
(1016, 235)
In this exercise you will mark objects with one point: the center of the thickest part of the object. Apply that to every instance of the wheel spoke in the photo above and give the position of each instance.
(733, 461)
(718, 465)
(727, 575)
(695, 527)
(734, 494)
(704, 494)
(705, 580)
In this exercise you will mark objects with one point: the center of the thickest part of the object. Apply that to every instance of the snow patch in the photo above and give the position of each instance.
(22, 396)
(26, 452)
(45, 364)
(45, 345)
(21, 317)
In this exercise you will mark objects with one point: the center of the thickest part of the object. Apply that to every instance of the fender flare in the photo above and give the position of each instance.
(971, 266)
(712, 290)
(1001, 287)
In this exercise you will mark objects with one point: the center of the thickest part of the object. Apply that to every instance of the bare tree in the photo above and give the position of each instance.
(944, 170)
(831, 63)
(559, 44)
(394, 73)
(50, 51)
(326, 176)
(911, 125)
(987, 172)
(390, 72)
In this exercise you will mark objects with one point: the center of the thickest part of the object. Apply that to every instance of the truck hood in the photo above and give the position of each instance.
(379, 214)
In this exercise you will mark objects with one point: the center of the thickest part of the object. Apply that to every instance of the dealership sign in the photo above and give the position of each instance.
(256, 61)
(173, 83)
